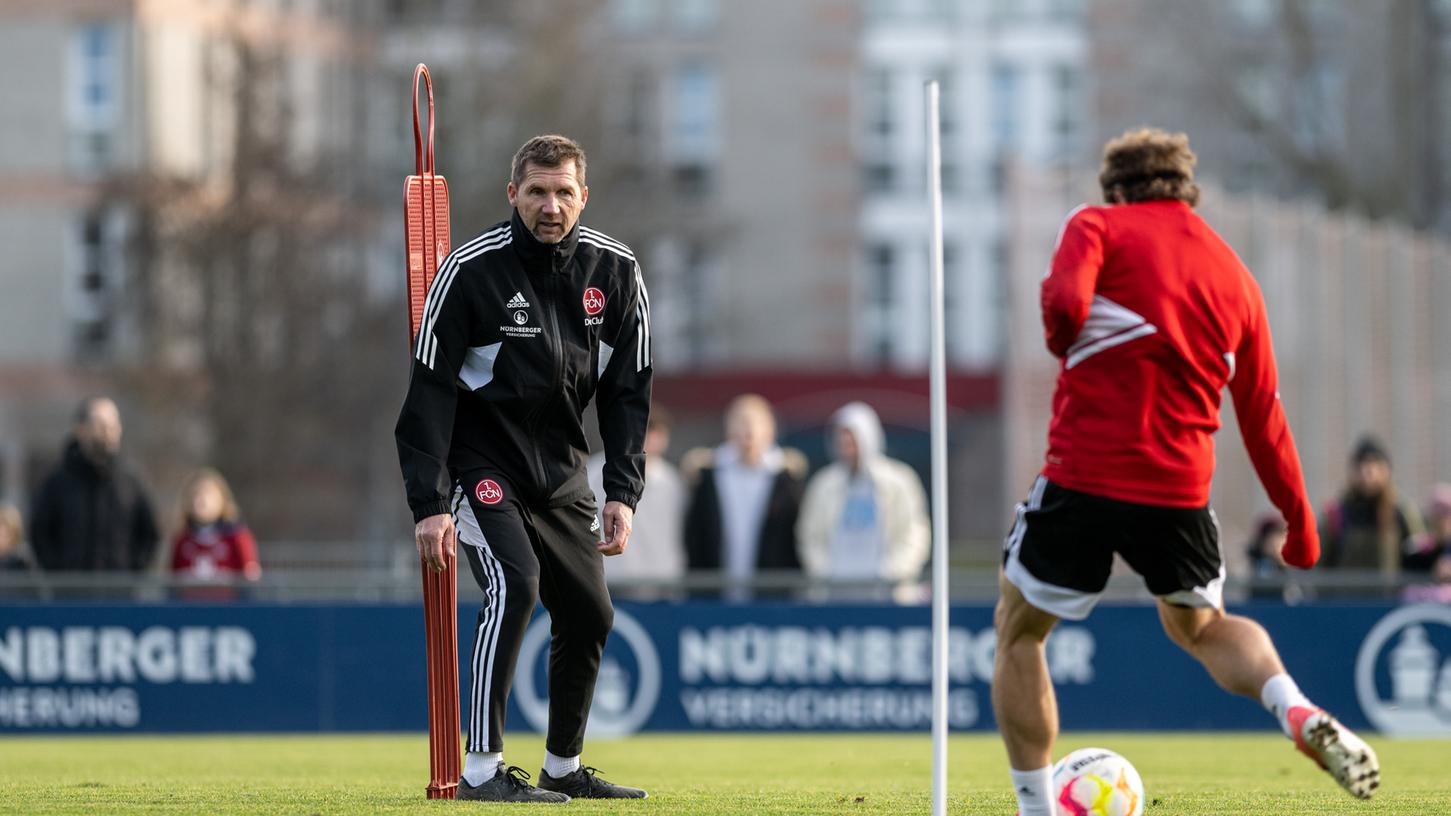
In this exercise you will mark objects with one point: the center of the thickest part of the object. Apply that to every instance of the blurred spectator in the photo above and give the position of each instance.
(656, 551)
(12, 535)
(1266, 565)
(212, 542)
(1424, 550)
(1367, 526)
(92, 512)
(1439, 590)
(745, 499)
(864, 516)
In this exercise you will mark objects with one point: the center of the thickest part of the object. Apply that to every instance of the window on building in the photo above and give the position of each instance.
(94, 95)
(1255, 90)
(878, 105)
(1006, 90)
(1319, 102)
(634, 16)
(91, 290)
(694, 16)
(693, 135)
(694, 131)
(1066, 107)
(879, 177)
(1254, 13)
(696, 274)
(1065, 11)
(636, 114)
(882, 297)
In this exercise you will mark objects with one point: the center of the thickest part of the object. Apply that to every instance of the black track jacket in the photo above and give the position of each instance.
(516, 337)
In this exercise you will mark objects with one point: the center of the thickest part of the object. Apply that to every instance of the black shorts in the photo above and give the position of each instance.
(1060, 550)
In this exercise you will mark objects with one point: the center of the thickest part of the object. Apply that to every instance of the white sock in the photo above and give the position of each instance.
(557, 766)
(1035, 791)
(1279, 695)
(480, 767)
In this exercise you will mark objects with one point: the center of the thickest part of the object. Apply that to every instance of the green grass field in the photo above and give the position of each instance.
(685, 774)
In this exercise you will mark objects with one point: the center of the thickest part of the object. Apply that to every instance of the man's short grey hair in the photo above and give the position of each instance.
(549, 150)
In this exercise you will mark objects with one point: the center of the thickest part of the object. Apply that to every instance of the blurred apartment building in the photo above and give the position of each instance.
(1013, 78)
(122, 146)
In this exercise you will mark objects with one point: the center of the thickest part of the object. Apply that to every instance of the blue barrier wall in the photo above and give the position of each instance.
(695, 666)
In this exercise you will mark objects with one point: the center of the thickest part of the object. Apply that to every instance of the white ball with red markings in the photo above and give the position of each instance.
(1097, 782)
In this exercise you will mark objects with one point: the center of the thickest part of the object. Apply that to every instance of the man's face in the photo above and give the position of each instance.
(657, 440)
(752, 432)
(100, 433)
(1372, 476)
(847, 451)
(549, 200)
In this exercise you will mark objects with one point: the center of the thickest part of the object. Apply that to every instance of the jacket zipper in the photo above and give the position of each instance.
(557, 375)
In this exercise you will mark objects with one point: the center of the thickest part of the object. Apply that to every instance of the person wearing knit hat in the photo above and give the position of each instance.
(1369, 526)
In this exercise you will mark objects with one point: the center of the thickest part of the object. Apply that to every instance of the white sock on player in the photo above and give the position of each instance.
(558, 766)
(480, 767)
(1034, 790)
(1279, 695)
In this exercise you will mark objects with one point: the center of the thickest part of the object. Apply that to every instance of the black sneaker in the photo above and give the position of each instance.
(510, 784)
(586, 784)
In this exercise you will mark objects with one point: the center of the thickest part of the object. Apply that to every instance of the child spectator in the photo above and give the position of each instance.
(212, 544)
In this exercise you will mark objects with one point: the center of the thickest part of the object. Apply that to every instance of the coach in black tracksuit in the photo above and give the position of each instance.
(522, 326)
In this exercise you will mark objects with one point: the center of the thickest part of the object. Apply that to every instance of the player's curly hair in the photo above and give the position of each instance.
(1148, 164)
(549, 150)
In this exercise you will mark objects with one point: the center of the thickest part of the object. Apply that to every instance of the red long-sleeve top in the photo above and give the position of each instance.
(1153, 314)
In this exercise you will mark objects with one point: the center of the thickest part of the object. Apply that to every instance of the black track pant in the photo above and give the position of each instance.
(520, 554)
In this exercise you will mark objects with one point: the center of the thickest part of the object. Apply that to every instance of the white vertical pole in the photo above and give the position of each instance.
(938, 376)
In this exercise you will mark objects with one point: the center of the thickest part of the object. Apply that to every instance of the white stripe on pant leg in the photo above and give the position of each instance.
(498, 627)
(1055, 600)
(495, 572)
(1035, 501)
(496, 595)
(467, 537)
(479, 637)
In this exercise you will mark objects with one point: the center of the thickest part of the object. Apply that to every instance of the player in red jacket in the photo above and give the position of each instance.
(1152, 315)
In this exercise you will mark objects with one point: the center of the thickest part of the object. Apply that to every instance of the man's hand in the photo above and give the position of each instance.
(436, 540)
(1302, 547)
(618, 520)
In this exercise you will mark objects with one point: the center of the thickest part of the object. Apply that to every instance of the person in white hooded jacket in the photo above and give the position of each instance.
(864, 516)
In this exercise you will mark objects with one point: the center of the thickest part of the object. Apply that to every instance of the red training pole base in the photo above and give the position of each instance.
(440, 617)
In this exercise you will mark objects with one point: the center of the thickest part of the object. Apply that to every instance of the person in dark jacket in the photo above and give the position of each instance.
(1369, 526)
(92, 513)
(522, 328)
(747, 494)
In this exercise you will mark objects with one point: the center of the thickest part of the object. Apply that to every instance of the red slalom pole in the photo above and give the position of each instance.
(427, 237)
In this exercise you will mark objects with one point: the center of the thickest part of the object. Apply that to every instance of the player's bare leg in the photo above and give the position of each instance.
(1237, 651)
(1022, 694)
(1240, 656)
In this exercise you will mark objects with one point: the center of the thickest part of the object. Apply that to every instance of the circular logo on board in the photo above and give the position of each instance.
(1403, 672)
(520, 318)
(488, 491)
(626, 691)
(594, 301)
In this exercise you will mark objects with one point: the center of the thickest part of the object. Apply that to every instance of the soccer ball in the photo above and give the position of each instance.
(1097, 782)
